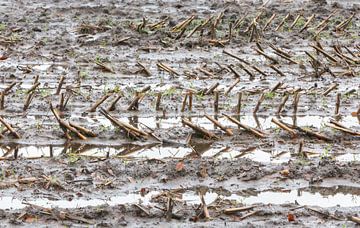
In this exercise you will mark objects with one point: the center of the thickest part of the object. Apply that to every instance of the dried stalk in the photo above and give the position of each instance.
(130, 130)
(283, 126)
(266, 56)
(199, 129)
(331, 88)
(216, 102)
(8, 126)
(61, 82)
(65, 126)
(143, 68)
(99, 102)
(83, 130)
(218, 124)
(7, 89)
(337, 106)
(238, 209)
(282, 22)
(232, 86)
(167, 68)
(112, 106)
(158, 101)
(277, 70)
(307, 23)
(184, 103)
(282, 104)
(247, 128)
(238, 106)
(295, 21)
(269, 21)
(261, 99)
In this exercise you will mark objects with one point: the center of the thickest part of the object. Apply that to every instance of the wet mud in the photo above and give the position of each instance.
(180, 113)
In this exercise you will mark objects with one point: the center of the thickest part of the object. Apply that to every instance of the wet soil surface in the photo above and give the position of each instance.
(134, 72)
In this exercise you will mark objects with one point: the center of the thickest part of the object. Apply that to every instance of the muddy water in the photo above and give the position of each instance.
(308, 197)
(158, 151)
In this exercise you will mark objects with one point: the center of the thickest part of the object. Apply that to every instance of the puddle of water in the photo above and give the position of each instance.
(265, 123)
(158, 151)
(10, 203)
(310, 197)
(303, 197)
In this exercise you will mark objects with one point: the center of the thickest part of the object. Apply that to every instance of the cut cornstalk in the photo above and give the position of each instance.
(218, 124)
(254, 131)
(199, 129)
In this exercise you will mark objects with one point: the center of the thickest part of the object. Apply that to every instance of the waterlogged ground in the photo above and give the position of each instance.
(176, 176)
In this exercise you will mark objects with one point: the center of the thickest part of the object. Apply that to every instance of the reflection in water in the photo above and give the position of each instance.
(258, 121)
(158, 151)
(323, 197)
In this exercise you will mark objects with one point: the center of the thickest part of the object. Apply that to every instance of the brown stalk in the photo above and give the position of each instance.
(61, 82)
(266, 56)
(295, 21)
(238, 106)
(199, 129)
(354, 219)
(182, 25)
(338, 126)
(237, 74)
(310, 133)
(99, 102)
(2, 100)
(282, 104)
(337, 105)
(279, 50)
(212, 88)
(105, 67)
(324, 53)
(269, 21)
(184, 102)
(201, 26)
(167, 68)
(283, 126)
(216, 101)
(190, 101)
(143, 67)
(129, 129)
(238, 209)
(113, 103)
(65, 126)
(205, 209)
(8, 126)
(307, 23)
(218, 124)
(236, 57)
(32, 88)
(248, 215)
(285, 57)
(247, 128)
(232, 86)
(331, 88)
(344, 23)
(282, 22)
(277, 86)
(7, 89)
(158, 101)
(206, 72)
(28, 100)
(261, 99)
(326, 19)
(277, 70)
(83, 130)
(296, 102)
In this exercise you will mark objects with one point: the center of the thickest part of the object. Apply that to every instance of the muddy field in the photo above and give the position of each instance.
(180, 113)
